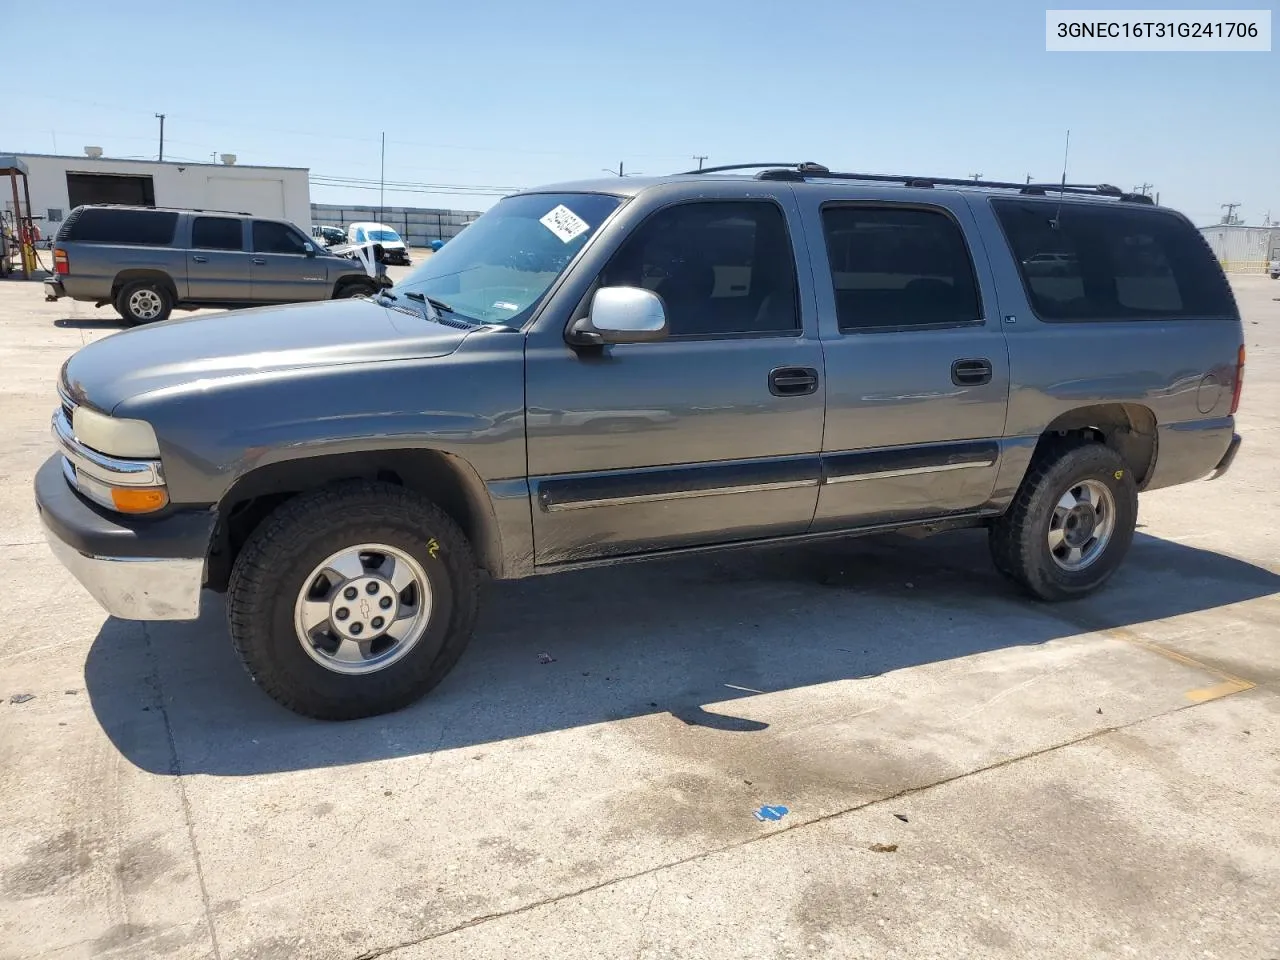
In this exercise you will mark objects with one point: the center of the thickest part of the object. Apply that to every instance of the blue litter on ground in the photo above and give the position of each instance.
(765, 814)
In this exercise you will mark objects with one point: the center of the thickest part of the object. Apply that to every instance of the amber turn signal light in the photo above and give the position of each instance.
(139, 499)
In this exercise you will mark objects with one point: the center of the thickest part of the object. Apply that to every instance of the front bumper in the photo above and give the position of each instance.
(54, 290)
(136, 569)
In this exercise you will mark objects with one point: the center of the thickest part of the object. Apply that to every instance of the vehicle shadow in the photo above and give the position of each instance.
(105, 322)
(683, 637)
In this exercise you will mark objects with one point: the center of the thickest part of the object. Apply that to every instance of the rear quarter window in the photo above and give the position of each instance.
(1083, 262)
(140, 227)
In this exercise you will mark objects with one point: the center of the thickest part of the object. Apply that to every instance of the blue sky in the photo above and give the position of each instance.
(507, 93)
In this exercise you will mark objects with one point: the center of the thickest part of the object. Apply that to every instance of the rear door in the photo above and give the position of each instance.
(283, 267)
(917, 365)
(218, 263)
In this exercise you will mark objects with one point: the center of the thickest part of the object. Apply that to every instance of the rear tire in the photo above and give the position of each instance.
(144, 301)
(1071, 523)
(278, 582)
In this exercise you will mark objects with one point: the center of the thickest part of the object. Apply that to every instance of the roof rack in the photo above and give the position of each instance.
(151, 206)
(755, 166)
(805, 171)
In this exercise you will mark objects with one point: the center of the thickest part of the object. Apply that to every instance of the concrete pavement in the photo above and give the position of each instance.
(1092, 779)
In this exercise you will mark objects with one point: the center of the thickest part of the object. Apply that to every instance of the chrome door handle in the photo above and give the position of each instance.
(260, 261)
(200, 259)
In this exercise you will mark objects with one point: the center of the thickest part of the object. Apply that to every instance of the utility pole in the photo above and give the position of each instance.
(1028, 178)
(975, 176)
(608, 170)
(700, 157)
(382, 175)
(1230, 217)
(160, 116)
(1144, 189)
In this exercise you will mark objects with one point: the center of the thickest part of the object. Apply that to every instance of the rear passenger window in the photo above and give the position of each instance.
(1083, 261)
(722, 268)
(153, 228)
(216, 233)
(895, 267)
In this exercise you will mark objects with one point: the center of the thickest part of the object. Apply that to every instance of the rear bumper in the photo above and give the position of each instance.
(1191, 450)
(135, 569)
(1228, 458)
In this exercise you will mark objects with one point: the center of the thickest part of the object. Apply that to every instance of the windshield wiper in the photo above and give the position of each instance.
(431, 302)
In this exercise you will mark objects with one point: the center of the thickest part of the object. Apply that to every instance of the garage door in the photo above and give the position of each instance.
(85, 188)
(260, 197)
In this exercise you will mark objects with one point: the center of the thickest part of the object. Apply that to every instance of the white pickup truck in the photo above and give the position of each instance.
(1273, 267)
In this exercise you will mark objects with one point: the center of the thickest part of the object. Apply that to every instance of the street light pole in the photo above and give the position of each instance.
(161, 118)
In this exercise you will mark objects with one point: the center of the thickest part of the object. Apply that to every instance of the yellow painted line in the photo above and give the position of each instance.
(1229, 684)
(1223, 689)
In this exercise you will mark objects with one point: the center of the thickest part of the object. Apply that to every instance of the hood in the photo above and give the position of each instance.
(262, 340)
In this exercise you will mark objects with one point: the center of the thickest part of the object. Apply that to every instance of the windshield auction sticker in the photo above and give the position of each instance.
(564, 223)
(1136, 31)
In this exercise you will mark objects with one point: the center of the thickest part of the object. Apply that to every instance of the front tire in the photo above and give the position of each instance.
(353, 601)
(356, 289)
(144, 301)
(1071, 523)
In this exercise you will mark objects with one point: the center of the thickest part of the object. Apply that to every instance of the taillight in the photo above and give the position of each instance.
(1235, 393)
(61, 265)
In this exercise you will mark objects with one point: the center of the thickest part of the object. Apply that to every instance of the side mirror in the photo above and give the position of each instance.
(620, 315)
(310, 248)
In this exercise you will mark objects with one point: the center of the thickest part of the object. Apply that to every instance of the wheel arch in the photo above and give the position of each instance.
(134, 274)
(1127, 428)
(350, 280)
(445, 479)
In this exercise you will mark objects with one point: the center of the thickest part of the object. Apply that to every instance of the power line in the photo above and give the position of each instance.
(411, 183)
(352, 183)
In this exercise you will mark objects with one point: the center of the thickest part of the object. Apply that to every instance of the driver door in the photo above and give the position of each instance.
(283, 267)
(710, 435)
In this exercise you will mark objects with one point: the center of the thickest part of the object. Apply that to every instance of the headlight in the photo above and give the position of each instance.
(115, 437)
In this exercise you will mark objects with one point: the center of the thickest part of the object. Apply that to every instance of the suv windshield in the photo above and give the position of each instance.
(389, 235)
(498, 268)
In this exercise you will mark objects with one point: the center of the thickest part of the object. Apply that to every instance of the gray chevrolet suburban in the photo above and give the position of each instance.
(146, 261)
(615, 370)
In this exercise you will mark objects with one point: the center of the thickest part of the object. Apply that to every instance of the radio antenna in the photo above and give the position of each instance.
(1066, 151)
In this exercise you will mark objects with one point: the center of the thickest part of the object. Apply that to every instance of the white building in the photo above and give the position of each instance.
(59, 184)
(1243, 249)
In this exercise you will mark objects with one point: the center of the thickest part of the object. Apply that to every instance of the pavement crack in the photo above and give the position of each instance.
(644, 920)
(175, 770)
(765, 838)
